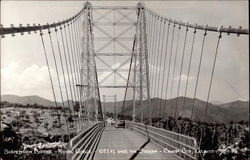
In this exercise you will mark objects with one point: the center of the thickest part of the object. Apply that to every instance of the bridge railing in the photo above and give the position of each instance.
(84, 144)
(181, 145)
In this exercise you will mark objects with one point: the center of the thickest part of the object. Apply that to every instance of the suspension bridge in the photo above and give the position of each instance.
(154, 49)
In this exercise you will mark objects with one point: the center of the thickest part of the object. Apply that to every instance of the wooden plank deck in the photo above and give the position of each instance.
(123, 144)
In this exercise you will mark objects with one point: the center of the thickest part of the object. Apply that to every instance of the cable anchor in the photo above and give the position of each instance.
(238, 34)
(220, 30)
(228, 33)
(28, 25)
(34, 26)
(49, 28)
(174, 21)
(41, 30)
(205, 29)
(21, 26)
(179, 26)
(187, 26)
(55, 27)
(12, 26)
(194, 30)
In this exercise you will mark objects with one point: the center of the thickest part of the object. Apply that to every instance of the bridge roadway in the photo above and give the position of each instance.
(124, 144)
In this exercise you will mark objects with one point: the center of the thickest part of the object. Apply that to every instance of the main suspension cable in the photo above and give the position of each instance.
(229, 30)
(28, 28)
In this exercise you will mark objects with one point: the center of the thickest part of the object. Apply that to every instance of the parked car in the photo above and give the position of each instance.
(120, 124)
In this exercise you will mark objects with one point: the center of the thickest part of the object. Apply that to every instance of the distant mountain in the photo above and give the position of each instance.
(24, 100)
(27, 100)
(112, 107)
(217, 102)
(238, 110)
(223, 113)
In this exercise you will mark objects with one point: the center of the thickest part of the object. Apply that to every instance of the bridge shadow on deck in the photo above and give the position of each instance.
(139, 150)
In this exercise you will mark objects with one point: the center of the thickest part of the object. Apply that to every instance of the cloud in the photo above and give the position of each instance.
(32, 79)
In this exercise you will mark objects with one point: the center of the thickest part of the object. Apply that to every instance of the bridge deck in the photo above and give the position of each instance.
(124, 144)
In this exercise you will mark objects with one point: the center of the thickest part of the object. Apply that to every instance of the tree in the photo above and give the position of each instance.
(46, 125)
(7, 113)
(16, 123)
(76, 107)
(70, 119)
(27, 117)
(35, 116)
(22, 114)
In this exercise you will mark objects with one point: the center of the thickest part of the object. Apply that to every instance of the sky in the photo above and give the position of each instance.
(24, 72)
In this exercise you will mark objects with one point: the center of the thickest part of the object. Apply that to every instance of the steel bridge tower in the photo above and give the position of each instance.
(89, 88)
(141, 90)
(138, 56)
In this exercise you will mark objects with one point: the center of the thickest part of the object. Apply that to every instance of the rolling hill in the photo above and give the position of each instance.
(236, 111)
(239, 110)
(27, 100)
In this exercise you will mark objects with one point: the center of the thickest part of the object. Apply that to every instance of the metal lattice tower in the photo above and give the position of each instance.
(140, 60)
(89, 86)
